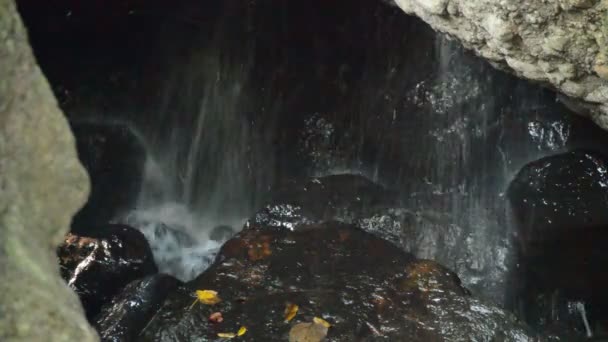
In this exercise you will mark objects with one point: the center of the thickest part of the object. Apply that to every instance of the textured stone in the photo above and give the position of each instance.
(522, 36)
(42, 184)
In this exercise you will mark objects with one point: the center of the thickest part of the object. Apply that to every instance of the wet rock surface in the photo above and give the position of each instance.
(346, 198)
(560, 205)
(368, 289)
(568, 190)
(547, 42)
(99, 265)
(130, 311)
(114, 157)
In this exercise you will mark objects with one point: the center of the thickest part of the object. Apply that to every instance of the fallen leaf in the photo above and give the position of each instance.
(216, 317)
(241, 332)
(259, 249)
(290, 311)
(226, 335)
(321, 321)
(307, 332)
(208, 297)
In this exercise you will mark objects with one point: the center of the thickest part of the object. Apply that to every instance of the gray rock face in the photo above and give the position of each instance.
(42, 184)
(560, 43)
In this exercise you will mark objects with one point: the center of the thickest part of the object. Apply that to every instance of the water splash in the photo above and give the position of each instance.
(208, 162)
(179, 239)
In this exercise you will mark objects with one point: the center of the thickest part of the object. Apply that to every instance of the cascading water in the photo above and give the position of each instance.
(207, 166)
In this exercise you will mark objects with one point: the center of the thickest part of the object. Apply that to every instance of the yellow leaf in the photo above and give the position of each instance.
(208, 297)
(321, 321)
(241, 331)
(290, 311)
(226, 335)
(307, 332)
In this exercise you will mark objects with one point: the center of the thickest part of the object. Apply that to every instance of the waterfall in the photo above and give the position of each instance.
(207, 164)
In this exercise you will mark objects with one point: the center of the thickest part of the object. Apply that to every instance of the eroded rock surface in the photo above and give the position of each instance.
(368, 289)
(42, 185)
(99, 265)
(562, 43)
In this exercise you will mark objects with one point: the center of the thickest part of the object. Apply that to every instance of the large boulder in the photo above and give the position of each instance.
(560, 206)
(43, 185)
(99, 265)
(563, 191)
(131, 310)
(366, 288)
(561, 43)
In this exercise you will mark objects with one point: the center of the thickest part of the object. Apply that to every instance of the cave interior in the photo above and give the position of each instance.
(198, 111)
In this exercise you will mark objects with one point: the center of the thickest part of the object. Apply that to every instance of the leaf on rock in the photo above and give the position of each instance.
(241, 332)
(319, 320)
(208, 297)
(259, 250)
(290, 311)
(216, 317)
(307, 332)
(226, 335)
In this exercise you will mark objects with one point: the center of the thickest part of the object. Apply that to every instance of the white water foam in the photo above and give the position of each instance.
(178, 238)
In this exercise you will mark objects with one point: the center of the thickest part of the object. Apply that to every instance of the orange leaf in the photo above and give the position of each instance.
(290, 311)
(259, 249)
